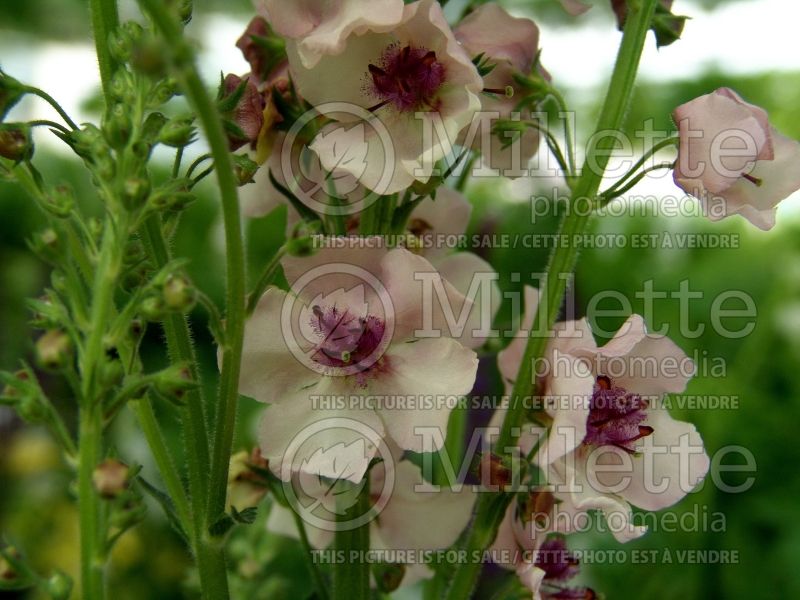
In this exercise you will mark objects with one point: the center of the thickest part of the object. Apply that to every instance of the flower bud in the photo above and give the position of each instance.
(110, 478)
(117, 126)
(185, 11)
(162, 92)
(242, 108)
(122, 88)
(174, 381)
(153, 308)
(60, 201)
(122, 41)
(59, 586)
(148, 57)
(388, 576)
(16, 142)
(153, 125)
(244, 168)
(54, 350)
(47, 245)
(177, 133)
(135, 191)
(7, 570)
(111, 372)
(302, 241)
(11, 91)
(492, 471)
(179, 294)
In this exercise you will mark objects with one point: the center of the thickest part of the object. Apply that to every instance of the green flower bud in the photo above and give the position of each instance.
(244, 168)
(153, 308)
(179, 294)
(54, 350)
(148, 57)
(11, 91)
(302, 242)
(135, 191)
(153, 124)
(60, 201)
(117, 126)
(16, 142)
(111, 372)
(31, 409)
(122, 86)
(122, 41)
(7, 571)
(185, 11)
(47, 245)
(177, 133)
(174, 382)
(110, 478)
(59, 586)
(163, 91)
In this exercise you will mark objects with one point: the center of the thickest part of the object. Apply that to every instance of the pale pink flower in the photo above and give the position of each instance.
(610, 442)
(415, 517)
(575, 7)
(321, 27)
(511, 45)
(732, 159)
(348, 330)
(410, 90)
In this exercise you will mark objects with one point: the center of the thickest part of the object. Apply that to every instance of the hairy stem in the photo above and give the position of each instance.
(562, 261)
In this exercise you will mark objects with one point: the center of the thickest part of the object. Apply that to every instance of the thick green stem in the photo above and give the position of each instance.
(105, 20)
(215, 584)
(89, 505)
(562, 262)
(351, 578)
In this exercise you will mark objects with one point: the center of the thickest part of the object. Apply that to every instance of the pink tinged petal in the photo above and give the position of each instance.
(281, 522)
(331, 264)
(489, 29)
(434, 221)
(615, 509)
(322, 27)
(475, 279)
(505, 542)
(269, 371)
(300, 435)
(531, 577)
(428, 376)
(575, 7)
(567, 401)
(779, 178)
(669, 464)
(721, 136)
(260, 198)
(423, 300)
(406, 522)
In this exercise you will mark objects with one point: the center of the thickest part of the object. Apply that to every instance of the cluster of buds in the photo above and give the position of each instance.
(170, 291)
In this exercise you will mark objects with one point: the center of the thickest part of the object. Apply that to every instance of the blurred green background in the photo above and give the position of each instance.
(763, 525)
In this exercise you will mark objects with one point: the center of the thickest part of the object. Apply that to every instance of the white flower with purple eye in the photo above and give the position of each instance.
(511, 45)
(345, 331)
(415, 79)
(532, 535)
(610, 442)
(414, 517)
(732, 159)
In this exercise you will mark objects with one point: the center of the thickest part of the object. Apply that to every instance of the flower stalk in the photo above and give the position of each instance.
(562, 261)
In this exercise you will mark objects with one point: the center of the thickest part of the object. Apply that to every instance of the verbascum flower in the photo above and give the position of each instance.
(411, 89)
(345, 343)
(732, 159)
(510, 44)
(609, 441)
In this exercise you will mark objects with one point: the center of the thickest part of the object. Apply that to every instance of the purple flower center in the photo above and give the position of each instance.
(406, 78)
(347, 341)
(557, 562)
(615, 416)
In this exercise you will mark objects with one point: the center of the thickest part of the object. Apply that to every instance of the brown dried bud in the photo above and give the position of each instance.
(110, 478)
